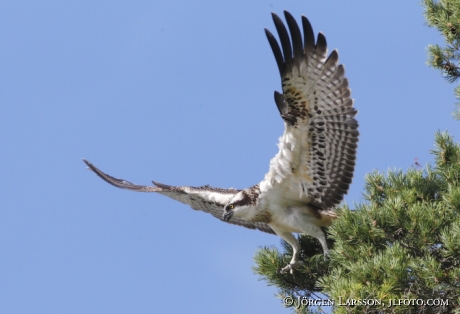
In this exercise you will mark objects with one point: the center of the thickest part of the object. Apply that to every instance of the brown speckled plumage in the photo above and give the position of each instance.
(315, 163)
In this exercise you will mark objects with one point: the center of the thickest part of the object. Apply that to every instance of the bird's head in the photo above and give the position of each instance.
(239, 204)
(229, 210)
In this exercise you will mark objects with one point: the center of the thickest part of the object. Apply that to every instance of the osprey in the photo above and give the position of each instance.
(314, 166)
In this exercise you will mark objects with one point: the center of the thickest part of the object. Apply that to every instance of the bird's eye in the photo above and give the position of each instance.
(231, 206)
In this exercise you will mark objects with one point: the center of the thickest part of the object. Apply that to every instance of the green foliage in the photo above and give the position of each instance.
(444, 15)
(402, 243)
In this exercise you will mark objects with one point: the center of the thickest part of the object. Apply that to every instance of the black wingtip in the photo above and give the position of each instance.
(276, 50)
(284, 38)
(333, 58)
(268, 33)
(274, 15)
(308, 35)
(90, 165)
(279, 100)
(321, 44)
(296, 35)
(119, 183)
(161, 185)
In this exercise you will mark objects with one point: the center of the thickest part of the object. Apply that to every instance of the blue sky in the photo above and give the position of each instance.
(181, 93)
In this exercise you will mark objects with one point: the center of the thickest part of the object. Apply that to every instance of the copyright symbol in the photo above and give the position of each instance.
(288, 301)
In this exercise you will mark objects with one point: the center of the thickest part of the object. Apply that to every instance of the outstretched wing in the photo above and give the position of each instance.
(317, 153)
(205, 198)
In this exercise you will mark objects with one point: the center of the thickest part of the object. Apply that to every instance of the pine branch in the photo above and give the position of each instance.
(403, 243)
(444, 15)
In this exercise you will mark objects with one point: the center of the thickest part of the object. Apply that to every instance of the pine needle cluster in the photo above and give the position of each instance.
(444, 15)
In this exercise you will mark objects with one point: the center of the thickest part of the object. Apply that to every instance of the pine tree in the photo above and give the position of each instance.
(444, 15)
(402, 244)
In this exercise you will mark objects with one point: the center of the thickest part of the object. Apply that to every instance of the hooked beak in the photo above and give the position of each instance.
(227, 215)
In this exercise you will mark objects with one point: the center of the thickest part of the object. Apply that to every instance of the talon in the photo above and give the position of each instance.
(285, 269)
(291, 267)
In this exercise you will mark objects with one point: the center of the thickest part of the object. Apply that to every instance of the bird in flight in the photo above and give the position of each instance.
(314, 167)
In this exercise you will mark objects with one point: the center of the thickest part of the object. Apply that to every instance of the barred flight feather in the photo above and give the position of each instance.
(318, 149)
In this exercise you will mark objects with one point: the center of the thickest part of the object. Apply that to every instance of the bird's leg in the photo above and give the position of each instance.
(289, 238)
(322, 239)
(318, 233)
